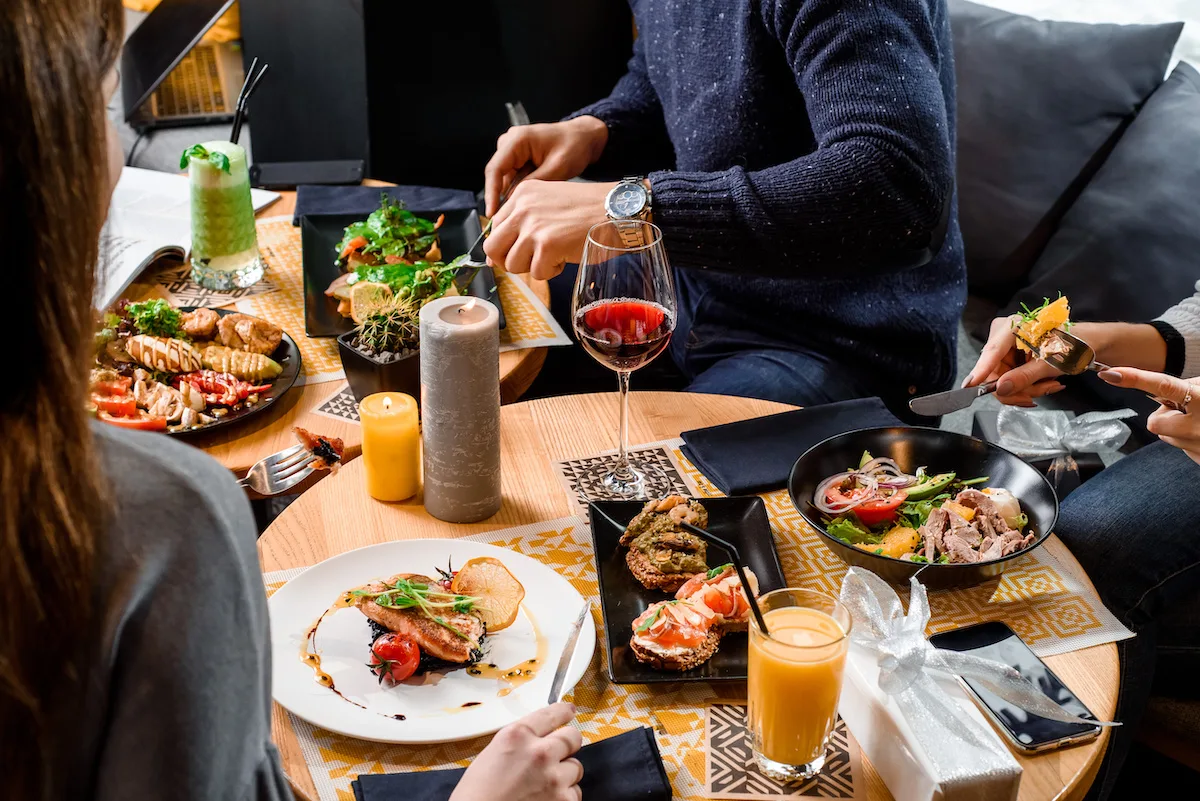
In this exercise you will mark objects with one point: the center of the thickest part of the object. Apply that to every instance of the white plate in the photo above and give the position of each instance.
(434, 713)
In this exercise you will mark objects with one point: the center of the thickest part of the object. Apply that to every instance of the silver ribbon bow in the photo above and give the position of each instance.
(1044, 434)
(959, 748)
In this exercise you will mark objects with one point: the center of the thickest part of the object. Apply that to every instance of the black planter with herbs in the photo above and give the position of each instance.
(368, 375)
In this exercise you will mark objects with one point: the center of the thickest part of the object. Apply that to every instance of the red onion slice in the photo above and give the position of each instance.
(861, 481)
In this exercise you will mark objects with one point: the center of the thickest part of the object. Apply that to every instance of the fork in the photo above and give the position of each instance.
(279, 472)
(1079, 358)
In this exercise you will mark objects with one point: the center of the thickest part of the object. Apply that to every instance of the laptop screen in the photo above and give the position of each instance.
(167, 35)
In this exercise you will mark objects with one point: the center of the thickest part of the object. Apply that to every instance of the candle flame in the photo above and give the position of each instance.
(387, 404)
(470, 304)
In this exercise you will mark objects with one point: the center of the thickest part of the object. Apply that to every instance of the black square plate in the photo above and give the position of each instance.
(741, 521)
(319, 238)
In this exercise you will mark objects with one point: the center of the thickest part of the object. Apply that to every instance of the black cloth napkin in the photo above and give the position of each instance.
(365, 199)
(757, 455)
(627, 767)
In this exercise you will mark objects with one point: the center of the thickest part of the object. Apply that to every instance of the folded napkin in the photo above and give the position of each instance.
(757, 455)
(365, 199)
(621, 768)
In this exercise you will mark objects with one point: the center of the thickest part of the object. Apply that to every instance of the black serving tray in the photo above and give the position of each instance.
(319, 238)
(741, 521)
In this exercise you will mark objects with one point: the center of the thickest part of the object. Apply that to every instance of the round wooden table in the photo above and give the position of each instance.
(239, 447)
(337, 516)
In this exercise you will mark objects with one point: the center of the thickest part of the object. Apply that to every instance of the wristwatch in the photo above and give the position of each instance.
(629, 200)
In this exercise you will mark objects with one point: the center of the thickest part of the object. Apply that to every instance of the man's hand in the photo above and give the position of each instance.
(543, 225)
(1178, 429)
(1020, 382)
(559, 151)
(530, 760)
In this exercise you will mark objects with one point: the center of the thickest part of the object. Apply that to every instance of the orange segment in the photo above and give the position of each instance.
(1055, 315)
(498, 591)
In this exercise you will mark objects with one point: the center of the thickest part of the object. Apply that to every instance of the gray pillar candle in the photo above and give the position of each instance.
(460, 408)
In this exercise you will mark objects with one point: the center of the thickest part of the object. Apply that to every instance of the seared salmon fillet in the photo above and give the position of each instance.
(431, 637)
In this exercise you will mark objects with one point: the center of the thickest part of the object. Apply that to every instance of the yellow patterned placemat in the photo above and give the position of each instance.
(529, 323)
(675, 711)
(279, 244)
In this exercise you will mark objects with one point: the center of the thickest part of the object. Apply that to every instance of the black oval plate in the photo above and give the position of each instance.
(288, 356)
(940, 452)
(740, 520)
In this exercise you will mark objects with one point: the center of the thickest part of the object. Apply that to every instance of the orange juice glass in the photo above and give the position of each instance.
(795, 680)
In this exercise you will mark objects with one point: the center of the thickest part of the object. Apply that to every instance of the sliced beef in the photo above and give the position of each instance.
(933, 531)
(991, 548)
(985, 509)
(959, 550)
(962, 529)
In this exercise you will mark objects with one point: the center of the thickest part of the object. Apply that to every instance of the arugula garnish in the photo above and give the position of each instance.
(716, 571)
(406, 594)
(391, 230)
(156, 318)
(200, 152)
(650, 621)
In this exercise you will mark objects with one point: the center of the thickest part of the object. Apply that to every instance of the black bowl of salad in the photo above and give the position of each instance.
(898, 501)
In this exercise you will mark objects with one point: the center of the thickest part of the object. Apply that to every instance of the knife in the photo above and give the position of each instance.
(940, 403)
(564, 661)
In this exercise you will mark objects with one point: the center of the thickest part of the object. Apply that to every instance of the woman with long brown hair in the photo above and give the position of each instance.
(134, 656)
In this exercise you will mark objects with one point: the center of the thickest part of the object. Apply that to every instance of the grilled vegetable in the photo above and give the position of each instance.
(242, 364)
(164, 355)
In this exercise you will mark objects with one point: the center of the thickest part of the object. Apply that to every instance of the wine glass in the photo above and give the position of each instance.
(624, 312)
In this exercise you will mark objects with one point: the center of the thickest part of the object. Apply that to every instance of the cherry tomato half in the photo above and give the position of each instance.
(880, 510)
(395, 657)
(116, 405)
(140, 422)
(115, 386)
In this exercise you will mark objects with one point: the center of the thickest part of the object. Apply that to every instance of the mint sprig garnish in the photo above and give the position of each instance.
(216, 159)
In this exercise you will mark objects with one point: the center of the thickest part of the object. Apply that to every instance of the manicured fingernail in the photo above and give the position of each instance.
(965, 382)
(1006, 387)
(1056, 388)
(1111, 376)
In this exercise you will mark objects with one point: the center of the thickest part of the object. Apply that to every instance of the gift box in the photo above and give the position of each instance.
(1062, 446)
(910, 770)
(903, 704)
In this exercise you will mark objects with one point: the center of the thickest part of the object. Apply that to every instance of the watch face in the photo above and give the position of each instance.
(628, 200)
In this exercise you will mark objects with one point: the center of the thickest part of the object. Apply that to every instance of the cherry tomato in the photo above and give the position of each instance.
(395, 657)
(141, 422)
(836, 495)
(357, 243)
(115, 386)
(880, 510)
(116, 405)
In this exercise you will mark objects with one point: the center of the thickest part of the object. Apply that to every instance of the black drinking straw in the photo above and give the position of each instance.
(729, 547)
(248, 87)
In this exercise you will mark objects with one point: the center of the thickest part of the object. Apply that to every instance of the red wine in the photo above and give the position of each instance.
(624, 333)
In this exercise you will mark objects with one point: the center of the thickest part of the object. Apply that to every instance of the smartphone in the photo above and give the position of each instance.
(1026, 732)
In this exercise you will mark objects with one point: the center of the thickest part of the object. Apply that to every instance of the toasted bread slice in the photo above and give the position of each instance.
(684, 660)
(650, 576)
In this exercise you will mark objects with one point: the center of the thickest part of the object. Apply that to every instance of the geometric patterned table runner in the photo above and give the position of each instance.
(730, 771)
(1046, 604)
(529, 322)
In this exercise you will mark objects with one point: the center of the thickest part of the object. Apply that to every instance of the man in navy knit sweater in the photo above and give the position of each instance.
(798, 156)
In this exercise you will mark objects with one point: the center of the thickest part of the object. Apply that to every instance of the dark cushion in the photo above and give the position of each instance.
(1129, 248)
(1036, 101)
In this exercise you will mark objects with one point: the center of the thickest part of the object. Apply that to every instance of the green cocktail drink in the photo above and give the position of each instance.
(224, 239)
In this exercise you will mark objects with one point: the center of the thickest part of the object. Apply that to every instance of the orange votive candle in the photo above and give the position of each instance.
(391, 445)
